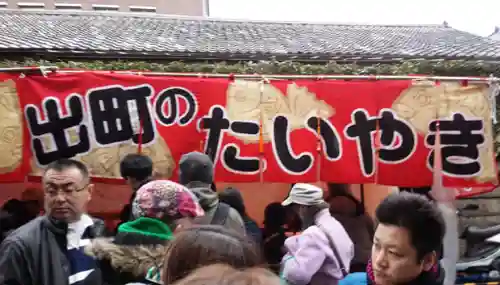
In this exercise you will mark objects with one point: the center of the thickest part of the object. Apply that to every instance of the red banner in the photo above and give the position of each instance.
(280, 131)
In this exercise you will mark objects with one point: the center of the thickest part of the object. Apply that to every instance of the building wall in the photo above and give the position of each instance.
(173, 7)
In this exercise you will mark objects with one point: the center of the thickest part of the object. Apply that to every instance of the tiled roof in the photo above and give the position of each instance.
(162, 36)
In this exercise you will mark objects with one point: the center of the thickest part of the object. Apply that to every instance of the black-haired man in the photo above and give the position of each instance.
(424, 191)
(137, 170)
(49, 249)
(409, 233)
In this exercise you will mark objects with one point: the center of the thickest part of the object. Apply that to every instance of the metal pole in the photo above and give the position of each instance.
(297, 76)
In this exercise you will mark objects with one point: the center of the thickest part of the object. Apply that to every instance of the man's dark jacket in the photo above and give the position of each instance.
(35, 254)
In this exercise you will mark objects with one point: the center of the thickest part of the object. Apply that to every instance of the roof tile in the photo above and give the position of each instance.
(132, 34)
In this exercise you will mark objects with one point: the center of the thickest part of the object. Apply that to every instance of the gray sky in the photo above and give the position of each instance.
(478, 17)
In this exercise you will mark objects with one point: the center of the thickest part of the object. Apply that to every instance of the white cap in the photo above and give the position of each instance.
(304, 194)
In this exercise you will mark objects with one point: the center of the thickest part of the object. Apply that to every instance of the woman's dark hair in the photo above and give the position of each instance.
(308, 217)
(342, 190)
(419, 216)
(360, 209)
(205, 245)
(233, 198)
(274, 217)
(336, 189)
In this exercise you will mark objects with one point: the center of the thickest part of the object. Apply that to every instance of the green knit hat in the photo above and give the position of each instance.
(148, 227)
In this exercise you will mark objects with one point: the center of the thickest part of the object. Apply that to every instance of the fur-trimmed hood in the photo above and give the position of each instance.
(133, 259)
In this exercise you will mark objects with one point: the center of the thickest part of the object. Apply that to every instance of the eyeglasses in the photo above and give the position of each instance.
(68, 191)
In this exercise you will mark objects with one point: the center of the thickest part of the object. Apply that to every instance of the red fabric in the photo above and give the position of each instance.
(290, 98)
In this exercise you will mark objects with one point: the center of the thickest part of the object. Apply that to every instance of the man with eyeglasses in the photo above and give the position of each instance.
(49, 249)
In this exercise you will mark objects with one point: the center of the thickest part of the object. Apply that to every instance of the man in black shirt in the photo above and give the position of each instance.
(137, 170)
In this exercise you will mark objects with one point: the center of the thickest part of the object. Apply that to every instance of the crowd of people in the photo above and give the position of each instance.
(188, 233)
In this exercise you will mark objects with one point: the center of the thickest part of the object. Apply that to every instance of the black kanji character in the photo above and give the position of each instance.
(329, 137)
(57, 125)
(294, 164)
(460, 139)
(231, 154)
(172, 96)
(362, 129)
(391, 127)
(111, 114)
(216, 124)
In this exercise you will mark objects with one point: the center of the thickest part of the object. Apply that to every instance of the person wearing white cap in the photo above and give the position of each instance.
(322, 253)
